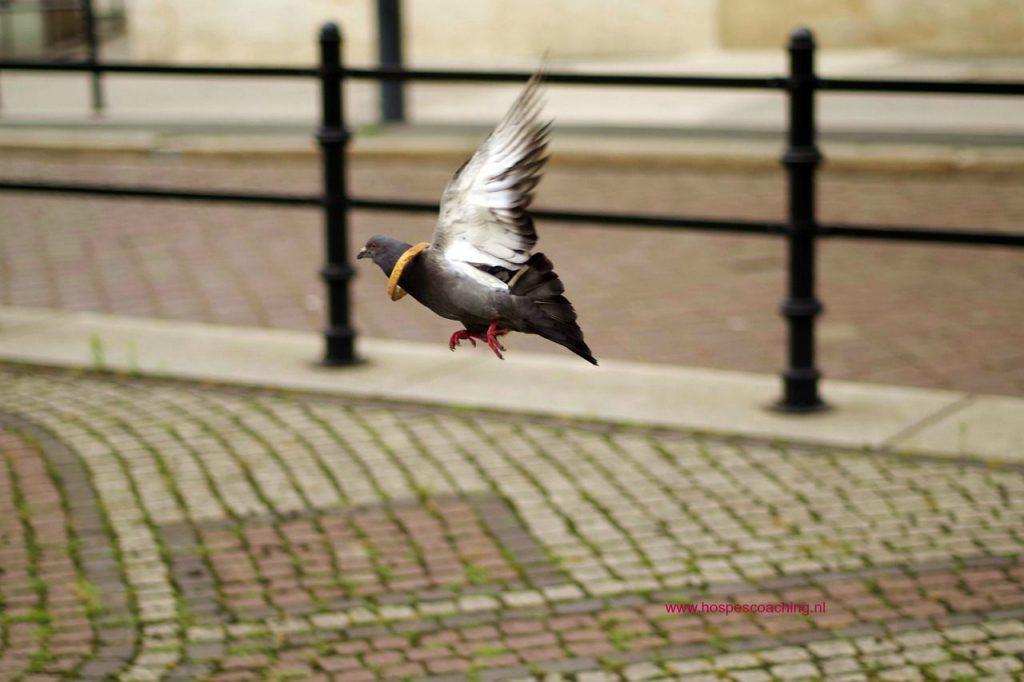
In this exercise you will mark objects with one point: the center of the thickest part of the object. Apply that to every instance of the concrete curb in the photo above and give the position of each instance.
(941, 423)
(578, 149)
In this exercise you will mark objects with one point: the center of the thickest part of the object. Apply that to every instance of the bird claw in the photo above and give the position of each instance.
(492, 339)
(493, 332)
(458, 337)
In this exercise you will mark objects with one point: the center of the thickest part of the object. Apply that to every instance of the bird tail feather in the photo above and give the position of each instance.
(548, 312)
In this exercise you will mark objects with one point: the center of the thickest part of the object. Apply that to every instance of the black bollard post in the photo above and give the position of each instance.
(801, 307)
(92, 45)
(389, 50)
(339, 336)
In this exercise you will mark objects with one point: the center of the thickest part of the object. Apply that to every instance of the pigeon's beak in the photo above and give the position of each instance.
(363, 254)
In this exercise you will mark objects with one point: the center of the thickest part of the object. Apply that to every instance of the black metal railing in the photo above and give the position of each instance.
(801, 158)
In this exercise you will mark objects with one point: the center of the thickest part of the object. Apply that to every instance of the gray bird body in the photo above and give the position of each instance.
(433, 281)
(479, 268)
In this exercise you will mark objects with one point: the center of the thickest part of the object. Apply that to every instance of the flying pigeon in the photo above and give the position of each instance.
(478, 268)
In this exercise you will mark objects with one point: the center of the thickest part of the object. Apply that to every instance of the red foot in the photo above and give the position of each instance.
(461, 335)
(492, 339)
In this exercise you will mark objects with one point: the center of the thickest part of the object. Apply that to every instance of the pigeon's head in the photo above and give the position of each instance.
(385, 252)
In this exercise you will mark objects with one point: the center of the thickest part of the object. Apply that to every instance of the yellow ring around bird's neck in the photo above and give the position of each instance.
(396, 292)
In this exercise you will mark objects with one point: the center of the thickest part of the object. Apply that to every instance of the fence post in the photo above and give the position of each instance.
(801, 307)
(389, 52)
(339, 337)
(5, 36)
(93, 47)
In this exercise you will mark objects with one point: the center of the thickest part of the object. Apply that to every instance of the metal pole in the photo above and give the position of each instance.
(92, 45)
(389, 50)
(800, 379)
(339, 337)
(5, 34)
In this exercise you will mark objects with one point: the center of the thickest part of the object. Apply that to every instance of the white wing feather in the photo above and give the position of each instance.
(483, 223)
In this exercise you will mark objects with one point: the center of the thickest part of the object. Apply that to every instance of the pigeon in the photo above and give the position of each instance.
(478, 268)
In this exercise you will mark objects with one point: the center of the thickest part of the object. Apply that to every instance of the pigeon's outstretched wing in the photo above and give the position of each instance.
(483, 226)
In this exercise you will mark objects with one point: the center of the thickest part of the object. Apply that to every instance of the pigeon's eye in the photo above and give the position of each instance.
(373, 245)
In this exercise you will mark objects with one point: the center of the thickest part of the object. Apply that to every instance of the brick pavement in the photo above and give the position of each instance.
(169, 529)
(932, 316)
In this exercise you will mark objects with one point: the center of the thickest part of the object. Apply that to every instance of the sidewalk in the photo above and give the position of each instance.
(254, 516)
(901, 419)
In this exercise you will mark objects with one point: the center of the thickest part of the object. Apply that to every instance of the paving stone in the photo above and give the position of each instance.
(795, 671)
(506, 673)
(337, 664)
(903, 674)
(595, 676)
(966, 633)
(735, 661)
(97, 669)
(749, 676)
(784, 655)
(1000, 665)
(832, 648)
(688, 667)
(569, 665)
(335, 621)
(641, 671)
(563, 593)
(1009, 646)
(843, 664)
(1004, 628)
(189, 672)
(919, 639)
(437, 608)
(478, 603)
(925, 656)
(874, 645)
(953, 671)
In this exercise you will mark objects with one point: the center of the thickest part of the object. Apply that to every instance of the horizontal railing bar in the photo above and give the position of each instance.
(401, 74)
(746, 226)
(567, 78)
(763, 227)
(162, 69)
(157, 193)
(921, 234)
(617, 219)
(898, 233)
(914, 86)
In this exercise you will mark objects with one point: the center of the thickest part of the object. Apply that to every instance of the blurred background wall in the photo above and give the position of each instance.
(439, 31)
(949, 27)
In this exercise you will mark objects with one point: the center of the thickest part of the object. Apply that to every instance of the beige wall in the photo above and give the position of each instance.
(436, 30)
(954, 27)
(248, 31)
(516, 31)
(495, 29)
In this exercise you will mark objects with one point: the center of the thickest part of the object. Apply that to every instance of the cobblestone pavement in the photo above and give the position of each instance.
(935, 316)
(167, 529)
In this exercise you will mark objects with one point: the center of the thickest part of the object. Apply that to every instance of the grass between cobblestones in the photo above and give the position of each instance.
(160, 529)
